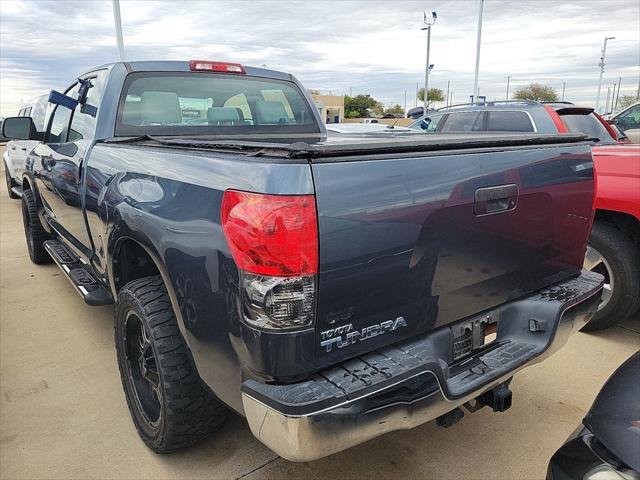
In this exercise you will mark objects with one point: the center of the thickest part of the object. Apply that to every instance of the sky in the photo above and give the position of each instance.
(358, 46)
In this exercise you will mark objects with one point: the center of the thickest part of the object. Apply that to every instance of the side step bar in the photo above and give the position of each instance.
(79, 274)
(17, 191)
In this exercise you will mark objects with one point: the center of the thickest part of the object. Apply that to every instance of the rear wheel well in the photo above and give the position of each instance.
(627, 224)
(131, 262)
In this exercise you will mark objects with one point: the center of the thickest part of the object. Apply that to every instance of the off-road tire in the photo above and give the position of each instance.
(10, 183)
(188, 411)
(35, 234)
(623, 258)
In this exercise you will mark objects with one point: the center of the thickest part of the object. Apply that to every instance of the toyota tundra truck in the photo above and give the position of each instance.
(329, 289)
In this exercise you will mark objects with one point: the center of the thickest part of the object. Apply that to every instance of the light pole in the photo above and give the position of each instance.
(118, 23)
(564, 84)
(475, 78)
(617, 96)
(601, 65)
(428, 66)
(447, 97)
(508, 80)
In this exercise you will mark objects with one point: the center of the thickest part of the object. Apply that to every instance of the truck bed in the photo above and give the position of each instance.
(421, 230)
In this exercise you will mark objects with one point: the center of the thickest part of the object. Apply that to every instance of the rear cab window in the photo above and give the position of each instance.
(188, 103)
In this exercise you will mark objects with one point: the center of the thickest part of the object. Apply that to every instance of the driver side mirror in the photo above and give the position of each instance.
(424, 124)
(612, 121)
(20, 128)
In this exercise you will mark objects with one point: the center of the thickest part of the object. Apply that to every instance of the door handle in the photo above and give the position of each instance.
(498, 199)
(24, 149)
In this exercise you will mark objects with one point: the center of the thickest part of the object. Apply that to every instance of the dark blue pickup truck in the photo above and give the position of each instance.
(328, 288)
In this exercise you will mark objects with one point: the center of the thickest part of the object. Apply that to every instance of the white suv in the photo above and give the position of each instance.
(16, 151)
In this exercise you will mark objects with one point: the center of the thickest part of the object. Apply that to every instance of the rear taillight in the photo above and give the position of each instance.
(274, 241)
(220, 67)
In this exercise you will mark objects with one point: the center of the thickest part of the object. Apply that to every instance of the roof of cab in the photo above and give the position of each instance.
(183, 66)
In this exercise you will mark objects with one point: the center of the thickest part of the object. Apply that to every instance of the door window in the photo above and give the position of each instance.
(509, 122)
(59, 130)
(629, 119)
(83, 123)
(463, 122)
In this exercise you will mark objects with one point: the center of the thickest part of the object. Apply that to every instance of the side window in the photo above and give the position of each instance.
(59, 125)
(630, 119)
(21, 112)
(27, 112)
(433, 124)
(509, 122)
(83, 124)
(463, 122)
(61, 118)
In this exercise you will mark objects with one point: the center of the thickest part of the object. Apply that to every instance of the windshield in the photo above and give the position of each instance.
(181, 103)
(589, 125)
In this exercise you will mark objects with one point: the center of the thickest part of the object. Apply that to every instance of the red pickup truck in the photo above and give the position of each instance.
(614, 246)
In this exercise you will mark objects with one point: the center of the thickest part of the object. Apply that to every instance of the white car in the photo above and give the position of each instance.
(628, 121)
(16, 151)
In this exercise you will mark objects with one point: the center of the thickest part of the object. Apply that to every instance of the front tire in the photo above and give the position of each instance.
(10, 183)
(169, 404)
(34, 232)
(615, 256)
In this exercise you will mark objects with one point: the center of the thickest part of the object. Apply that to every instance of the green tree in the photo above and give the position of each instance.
(537, 92)
(394, 110)
(626, 101)
(435, 95)
(361, 106)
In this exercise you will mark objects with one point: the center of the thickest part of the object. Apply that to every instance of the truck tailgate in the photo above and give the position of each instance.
(415, 241)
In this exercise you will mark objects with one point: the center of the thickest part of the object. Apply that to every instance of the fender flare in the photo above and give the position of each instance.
(112, 253)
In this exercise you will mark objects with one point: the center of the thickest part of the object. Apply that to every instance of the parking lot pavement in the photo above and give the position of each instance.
(63, 414)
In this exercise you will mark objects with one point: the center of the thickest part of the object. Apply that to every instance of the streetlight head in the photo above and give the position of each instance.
(611, 38)
(434, 15)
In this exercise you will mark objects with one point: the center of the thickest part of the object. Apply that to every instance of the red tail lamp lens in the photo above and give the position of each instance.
(271, 234)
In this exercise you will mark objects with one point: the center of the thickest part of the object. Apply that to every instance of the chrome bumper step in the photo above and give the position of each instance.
(413, 382)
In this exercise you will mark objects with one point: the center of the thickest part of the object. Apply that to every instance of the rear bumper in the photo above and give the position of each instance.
(413, 382)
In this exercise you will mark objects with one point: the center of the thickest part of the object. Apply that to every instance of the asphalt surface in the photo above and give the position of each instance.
(63, 413)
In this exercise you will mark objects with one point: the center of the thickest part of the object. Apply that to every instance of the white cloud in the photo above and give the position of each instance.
(373, 47)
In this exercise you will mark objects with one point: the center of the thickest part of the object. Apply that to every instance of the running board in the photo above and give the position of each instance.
(17, 191)
(79, 274)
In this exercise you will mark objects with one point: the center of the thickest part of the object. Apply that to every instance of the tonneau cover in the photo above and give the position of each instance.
(316, 147)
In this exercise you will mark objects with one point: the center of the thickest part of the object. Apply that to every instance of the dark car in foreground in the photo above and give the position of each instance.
(328, 288)
(607, 444)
